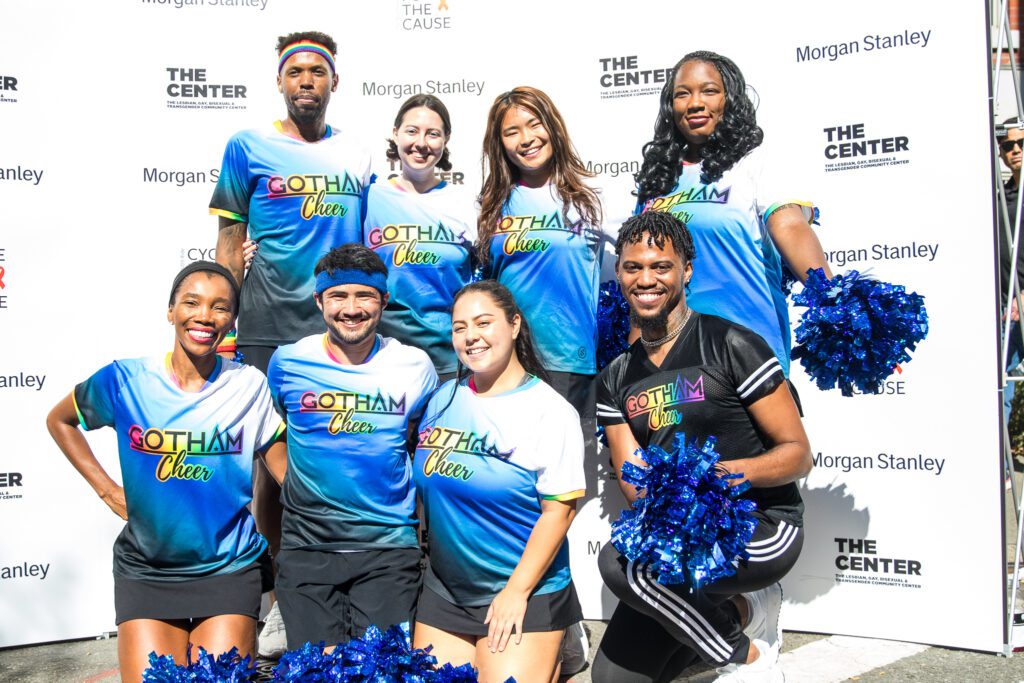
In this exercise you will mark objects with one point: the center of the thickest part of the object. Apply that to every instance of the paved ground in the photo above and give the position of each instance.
(95, 661)
(807, 658)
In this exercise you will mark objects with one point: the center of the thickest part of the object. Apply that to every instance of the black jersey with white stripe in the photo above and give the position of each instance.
(711, 375)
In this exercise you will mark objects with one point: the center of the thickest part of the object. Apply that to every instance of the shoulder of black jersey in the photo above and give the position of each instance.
(620, 363)
(715, 326)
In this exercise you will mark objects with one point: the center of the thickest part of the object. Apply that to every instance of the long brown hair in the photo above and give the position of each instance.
(500, 175)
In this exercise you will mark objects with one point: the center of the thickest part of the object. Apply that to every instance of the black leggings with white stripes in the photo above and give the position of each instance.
(656, 629)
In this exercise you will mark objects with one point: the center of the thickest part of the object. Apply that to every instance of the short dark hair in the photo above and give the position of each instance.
(314, 36)
(658, 226)
(351, 256)
(435, 105)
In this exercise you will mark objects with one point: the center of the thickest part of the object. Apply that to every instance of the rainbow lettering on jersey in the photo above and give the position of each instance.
(315, 188)
(656, 401)
(412, 242)
(174, 446)
(344, 405)
(521, 231)
(442, 442)
(702, 194)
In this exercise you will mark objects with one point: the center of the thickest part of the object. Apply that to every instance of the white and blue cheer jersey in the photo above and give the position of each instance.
(426, 241)
(551, 264)
(348, 484)
(186, 464)
(482, 467)
(737, 273)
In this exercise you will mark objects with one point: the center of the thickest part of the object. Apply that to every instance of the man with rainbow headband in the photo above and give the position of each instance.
(349, 550)
(296, 189)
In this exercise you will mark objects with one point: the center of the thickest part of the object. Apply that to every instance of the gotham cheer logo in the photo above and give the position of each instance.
(441, 442)
(175, 446)
(315, 189)
(520, 231)
(675, 203)
(657, 402)
(343, 406)
(412, 242)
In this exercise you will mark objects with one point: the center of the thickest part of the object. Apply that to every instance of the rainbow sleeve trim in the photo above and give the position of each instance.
(230, 343)
(224, 213)
(81, 418)
(572, 495)
(277, 432)
(810, 211)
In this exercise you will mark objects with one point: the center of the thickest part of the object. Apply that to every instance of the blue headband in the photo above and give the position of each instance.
(327, 279)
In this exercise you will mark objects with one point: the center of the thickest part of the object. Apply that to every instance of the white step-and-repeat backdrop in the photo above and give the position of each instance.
(114, 117)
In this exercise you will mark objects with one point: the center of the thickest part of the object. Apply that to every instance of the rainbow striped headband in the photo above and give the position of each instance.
(306, 46)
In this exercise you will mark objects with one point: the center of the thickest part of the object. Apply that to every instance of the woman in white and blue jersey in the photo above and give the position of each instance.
(499, 469)
(189, 566)
(705, 165)
(423, 227)
(540, 235)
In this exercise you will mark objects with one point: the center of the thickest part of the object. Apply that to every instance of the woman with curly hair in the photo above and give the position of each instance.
(705, 167)
(540, 234)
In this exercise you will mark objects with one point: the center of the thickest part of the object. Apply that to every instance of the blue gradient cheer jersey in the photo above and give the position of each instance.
(482, 467)
(737, 273)
(551, 265)
(348, 485)
(300, 199)
(426, 241)
(186, 464)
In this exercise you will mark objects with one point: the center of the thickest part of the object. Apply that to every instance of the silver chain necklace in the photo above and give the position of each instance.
(671, 335)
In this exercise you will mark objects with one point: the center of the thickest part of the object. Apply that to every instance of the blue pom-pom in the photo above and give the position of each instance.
(477, 274)
(225, 668)
(788, 280)
(455, 674)
(688, 522)
(377, 657)
(612, 323)
(856, 330)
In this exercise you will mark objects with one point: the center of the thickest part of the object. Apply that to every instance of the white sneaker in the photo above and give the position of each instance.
(764, 669)
(272, 642)
(763, 624)
(575, 648)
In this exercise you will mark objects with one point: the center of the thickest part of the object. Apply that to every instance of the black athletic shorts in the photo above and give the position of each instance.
(210, 596)
(333, 597)
(548, 612)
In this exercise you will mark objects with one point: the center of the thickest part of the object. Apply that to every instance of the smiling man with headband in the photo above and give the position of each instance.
(295, 188)
(349, 550)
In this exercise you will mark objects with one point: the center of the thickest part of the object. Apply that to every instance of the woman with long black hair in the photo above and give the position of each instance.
(705, 166)
(498, 468)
